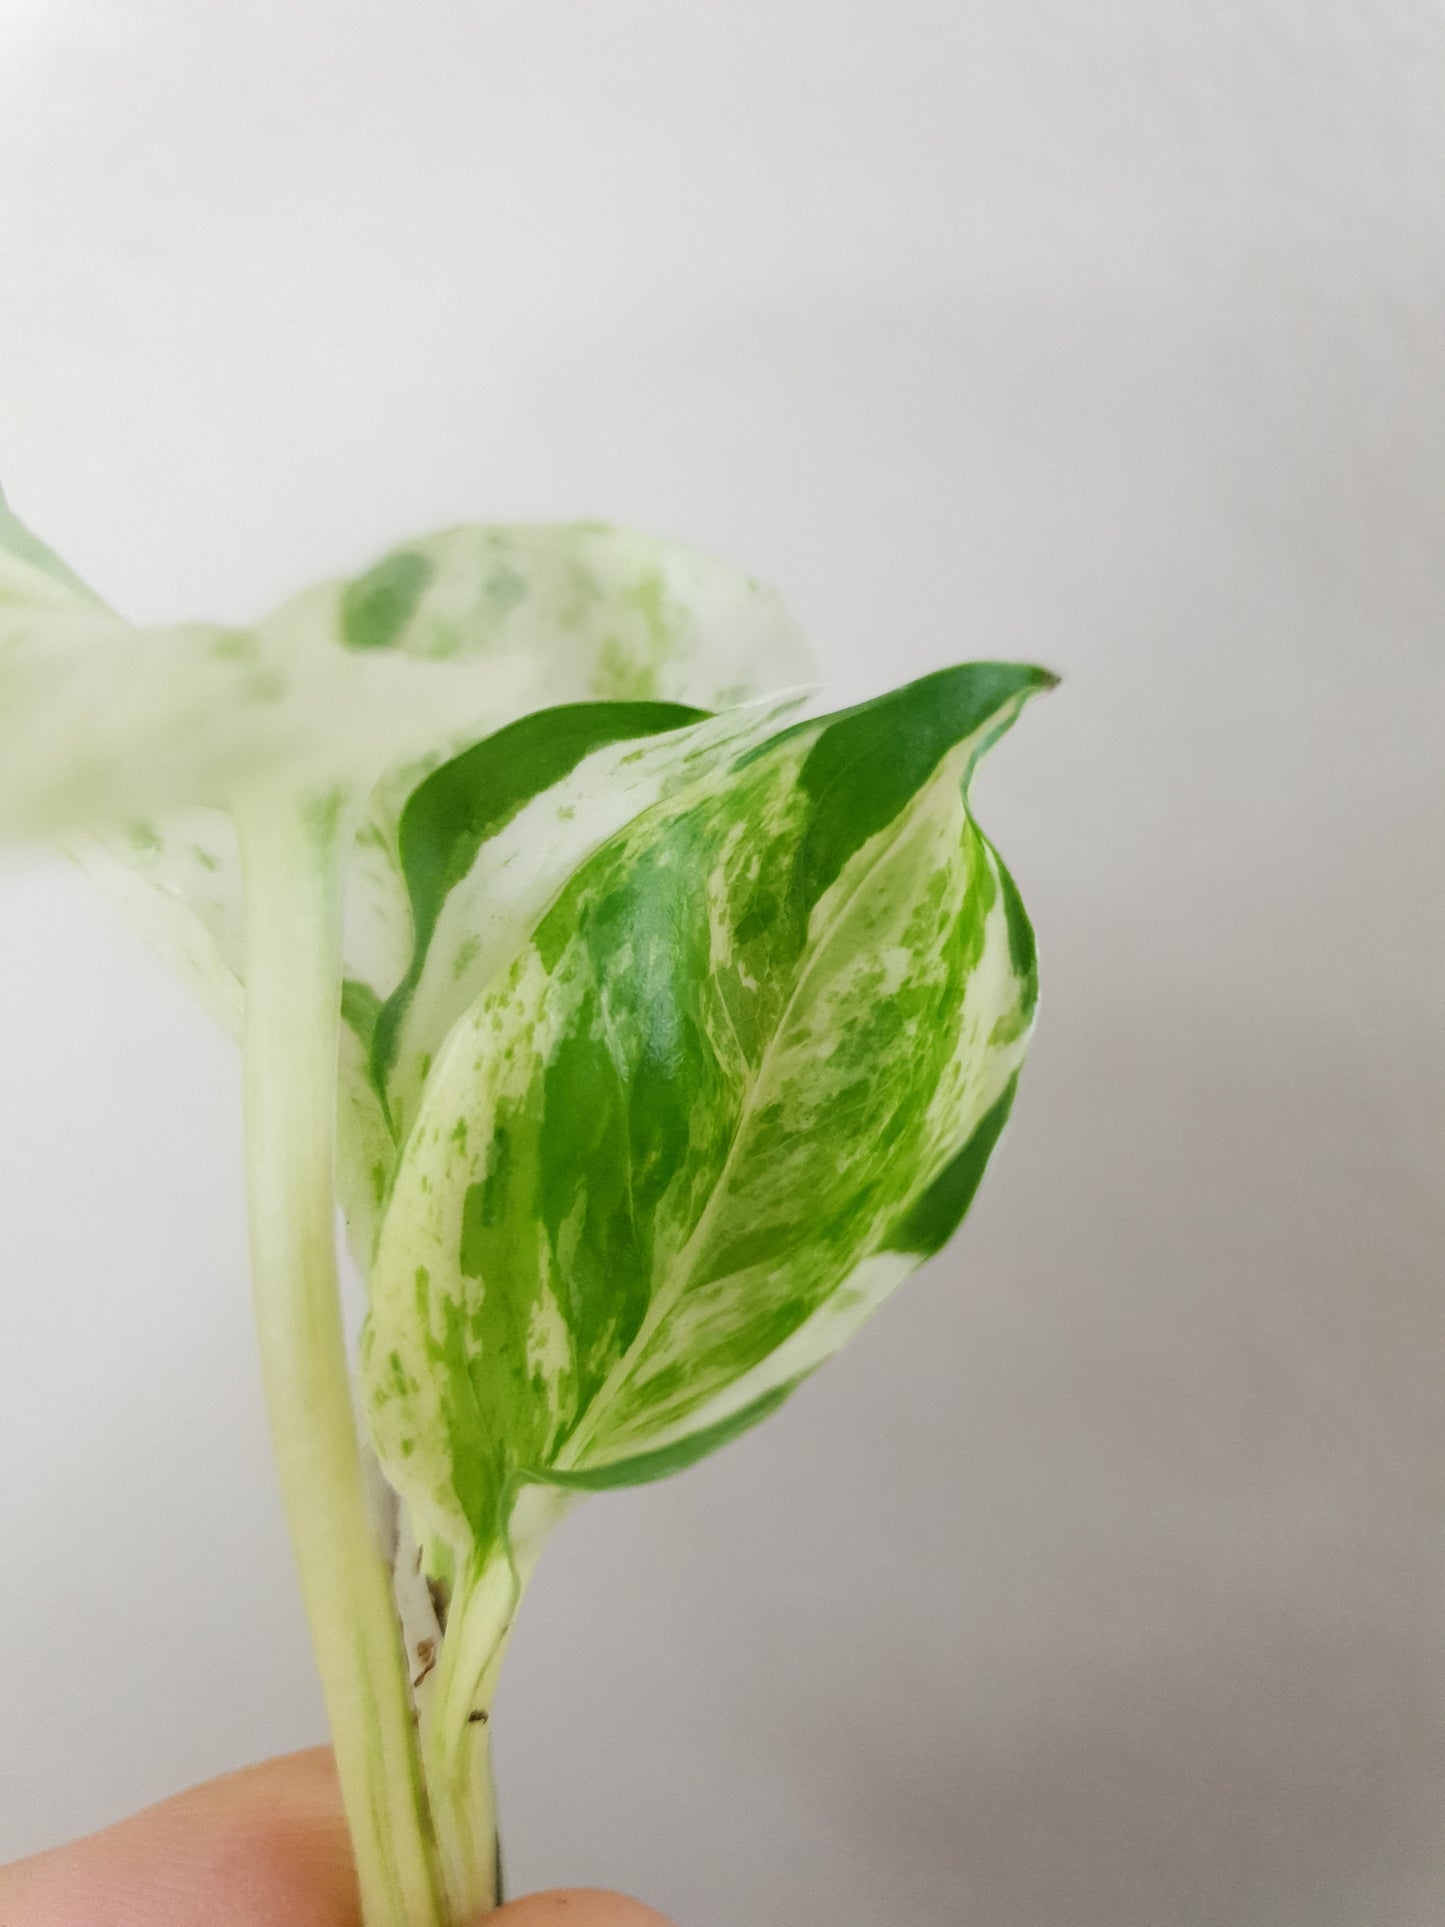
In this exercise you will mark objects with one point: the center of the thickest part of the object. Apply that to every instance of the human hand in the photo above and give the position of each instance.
(263, 1848)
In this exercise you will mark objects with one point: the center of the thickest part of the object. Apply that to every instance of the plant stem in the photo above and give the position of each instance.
(457, 1705)
(293, 850)
(456, 1732)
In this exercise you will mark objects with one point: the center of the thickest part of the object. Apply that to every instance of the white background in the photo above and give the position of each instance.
(1101, 1584)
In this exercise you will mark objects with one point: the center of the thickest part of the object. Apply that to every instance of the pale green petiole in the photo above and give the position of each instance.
(456, 1704)
(456, 1735)
(292, 850)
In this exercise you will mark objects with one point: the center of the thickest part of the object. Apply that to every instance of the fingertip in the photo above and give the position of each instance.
(265, 1844)
(577, 1907)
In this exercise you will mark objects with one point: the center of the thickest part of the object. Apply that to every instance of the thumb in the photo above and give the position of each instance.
(267, 1847)
(575, 1907)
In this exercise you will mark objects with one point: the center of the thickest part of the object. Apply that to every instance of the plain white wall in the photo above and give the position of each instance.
(1101, 1584)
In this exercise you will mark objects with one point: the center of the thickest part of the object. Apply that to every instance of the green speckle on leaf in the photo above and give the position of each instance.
(474, 1209)
(264, 685)
(235, 645)
(359, 1008)
(504, 589)
(377, 606)
(322, 815)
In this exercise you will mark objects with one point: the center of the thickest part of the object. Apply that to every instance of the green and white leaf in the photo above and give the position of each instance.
(101, 724)
(741, 1077)
(132, 746)
(104, 727)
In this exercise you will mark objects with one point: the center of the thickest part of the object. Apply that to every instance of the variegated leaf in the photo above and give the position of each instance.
(742, 1076)
(130, 745)
(101, 724)
(363, 685)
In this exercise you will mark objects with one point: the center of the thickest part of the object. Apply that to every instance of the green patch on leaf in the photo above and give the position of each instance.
(360, 1008)
(376, 607)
